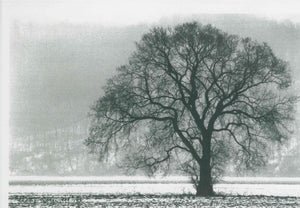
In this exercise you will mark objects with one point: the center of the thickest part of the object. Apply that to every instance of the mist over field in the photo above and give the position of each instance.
(59, 69)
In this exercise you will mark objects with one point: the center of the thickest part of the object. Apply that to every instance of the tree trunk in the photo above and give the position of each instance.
(205, 186)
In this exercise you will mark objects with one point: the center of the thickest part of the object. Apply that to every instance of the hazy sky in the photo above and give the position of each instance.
(137, 11)
(117, 12)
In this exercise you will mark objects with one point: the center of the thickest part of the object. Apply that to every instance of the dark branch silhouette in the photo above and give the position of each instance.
(196, 97)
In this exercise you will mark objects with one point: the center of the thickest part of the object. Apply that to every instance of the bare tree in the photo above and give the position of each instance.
(195, 96)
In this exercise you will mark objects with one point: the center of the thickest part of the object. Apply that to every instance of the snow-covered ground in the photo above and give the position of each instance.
(142, 179)
(143, 185)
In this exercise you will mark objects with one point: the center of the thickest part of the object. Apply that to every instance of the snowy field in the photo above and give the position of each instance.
(144, 185)
(142, 191)
(93, 201)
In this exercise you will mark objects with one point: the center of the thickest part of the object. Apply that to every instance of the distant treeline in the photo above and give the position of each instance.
(62, 153)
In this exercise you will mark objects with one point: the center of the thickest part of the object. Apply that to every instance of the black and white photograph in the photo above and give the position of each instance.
(150, 103)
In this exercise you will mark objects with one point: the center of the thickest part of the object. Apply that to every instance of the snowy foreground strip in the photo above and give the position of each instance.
(36, 180)
(74, 200)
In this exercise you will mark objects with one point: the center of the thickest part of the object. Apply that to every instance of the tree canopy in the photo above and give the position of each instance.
(194, 97)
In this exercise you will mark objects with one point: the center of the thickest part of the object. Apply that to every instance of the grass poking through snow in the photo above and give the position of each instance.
(137, 200)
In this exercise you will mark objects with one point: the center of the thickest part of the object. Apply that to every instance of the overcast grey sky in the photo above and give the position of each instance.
(136, 11)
